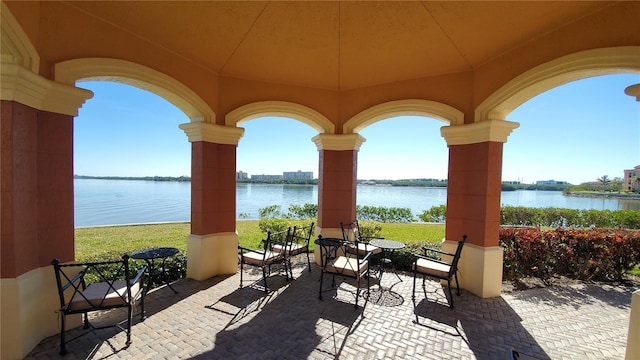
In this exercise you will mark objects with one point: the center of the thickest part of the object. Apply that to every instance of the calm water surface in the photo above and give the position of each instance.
(107, 202)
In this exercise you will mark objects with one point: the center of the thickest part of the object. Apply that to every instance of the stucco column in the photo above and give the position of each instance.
(36, 172)
(212, 247)
(337, 180)
(473, 201)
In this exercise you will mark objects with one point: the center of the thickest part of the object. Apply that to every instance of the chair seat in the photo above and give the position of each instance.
(295, 249)
(432, 268)
(347, 267)
(363, 249)
(260, 259)
(102, 295)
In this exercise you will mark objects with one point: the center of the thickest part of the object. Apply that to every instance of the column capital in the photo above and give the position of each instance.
(483, 131)
(633, 90)
(207, 132)
(25, 87)
(338, 142)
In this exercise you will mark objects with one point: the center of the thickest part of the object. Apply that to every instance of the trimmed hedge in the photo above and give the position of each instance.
(582, 254)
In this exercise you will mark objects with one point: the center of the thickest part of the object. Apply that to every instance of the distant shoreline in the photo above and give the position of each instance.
(604, 195)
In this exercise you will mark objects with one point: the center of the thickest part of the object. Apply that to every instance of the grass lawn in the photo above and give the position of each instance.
(109, 242)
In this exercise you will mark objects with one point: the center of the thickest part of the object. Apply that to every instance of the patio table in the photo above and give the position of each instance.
(159, 255)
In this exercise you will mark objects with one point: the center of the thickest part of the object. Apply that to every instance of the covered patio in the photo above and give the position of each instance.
(213, 319)
(337, 66)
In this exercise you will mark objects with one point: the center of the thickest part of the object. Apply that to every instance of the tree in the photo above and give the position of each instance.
(604, 180)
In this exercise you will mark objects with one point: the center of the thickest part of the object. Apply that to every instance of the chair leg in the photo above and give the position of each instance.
(413, 294)
(320, 292)
(241, 267)
(129, 322)
(63, 348)
(264, 278)
(308, 261)
(450, 294)
(457, 285)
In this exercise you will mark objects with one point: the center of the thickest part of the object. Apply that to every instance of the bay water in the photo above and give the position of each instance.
(108, 202)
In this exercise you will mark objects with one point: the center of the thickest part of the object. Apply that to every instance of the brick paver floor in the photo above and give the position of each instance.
(215, 319)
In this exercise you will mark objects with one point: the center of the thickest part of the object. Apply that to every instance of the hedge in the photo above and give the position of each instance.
(582, 254)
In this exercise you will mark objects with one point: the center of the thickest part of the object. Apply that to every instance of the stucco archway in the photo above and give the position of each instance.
(282, 109)
(140, 76)
(433, 109)
(576, 66)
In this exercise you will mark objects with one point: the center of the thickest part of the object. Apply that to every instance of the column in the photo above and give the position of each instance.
(337, 180)
(36, 172)
(212, 247)
(473, 201)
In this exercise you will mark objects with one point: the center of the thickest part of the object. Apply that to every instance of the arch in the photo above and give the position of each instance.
(108, 69)
(407, 107)
(280, 108)
(554, 73)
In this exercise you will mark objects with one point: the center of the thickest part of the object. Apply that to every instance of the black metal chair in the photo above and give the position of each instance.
(433, 265)
(336, 261)
(275, 248)
(112, 287)
(299, 244)
(356, 242)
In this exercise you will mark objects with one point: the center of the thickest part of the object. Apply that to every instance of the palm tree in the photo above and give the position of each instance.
(604, 180)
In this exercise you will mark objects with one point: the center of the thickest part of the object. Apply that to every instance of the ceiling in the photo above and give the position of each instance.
(337, 45)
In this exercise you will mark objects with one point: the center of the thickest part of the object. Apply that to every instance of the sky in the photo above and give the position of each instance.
(576, 132)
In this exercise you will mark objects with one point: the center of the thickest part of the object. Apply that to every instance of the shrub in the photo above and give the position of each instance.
(273, 225)
(583, 254)
(384, 214)
(436, 214)
(306, 211)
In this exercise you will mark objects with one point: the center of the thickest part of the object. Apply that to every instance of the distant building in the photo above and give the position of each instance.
(297, 175)
(512, 182)
(241, 175)
(266, 177)
(551, 182)
(631, 181)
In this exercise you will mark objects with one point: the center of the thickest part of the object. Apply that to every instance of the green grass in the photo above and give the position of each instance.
(109, 242)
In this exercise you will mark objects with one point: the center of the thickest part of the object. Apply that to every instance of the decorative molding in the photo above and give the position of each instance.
(217, 134)
(408, 107)
(557, 72)
(283, 109)
(23, 86)
(484, 131)
(633, 90)
(338, 142)
(140, 76)
(15, 44)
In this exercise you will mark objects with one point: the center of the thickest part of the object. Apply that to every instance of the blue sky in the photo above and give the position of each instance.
(576, 133)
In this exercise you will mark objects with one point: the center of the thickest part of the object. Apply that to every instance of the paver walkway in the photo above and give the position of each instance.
(214, 319)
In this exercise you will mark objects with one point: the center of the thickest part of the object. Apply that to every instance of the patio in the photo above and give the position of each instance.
(213, 319)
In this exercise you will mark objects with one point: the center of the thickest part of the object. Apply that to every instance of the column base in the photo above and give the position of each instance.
(29, 305)
(212, 254)
(479, 269)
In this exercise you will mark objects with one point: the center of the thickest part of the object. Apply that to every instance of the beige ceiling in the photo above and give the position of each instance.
(337, 45)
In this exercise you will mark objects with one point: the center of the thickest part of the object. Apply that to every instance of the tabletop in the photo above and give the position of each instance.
(387, 244)
(154, 253)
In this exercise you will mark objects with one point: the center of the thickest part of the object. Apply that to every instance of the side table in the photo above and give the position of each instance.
(156, 259)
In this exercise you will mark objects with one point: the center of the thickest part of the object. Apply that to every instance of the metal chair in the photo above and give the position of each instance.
(112, 288)
(300, 238)
(356, 242)
(336, 261)
(433, 265)
(275, 248)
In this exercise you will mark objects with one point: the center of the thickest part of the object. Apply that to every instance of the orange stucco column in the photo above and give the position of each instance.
(337, 180)
(212, 246)
(36, 204)
(473, 201)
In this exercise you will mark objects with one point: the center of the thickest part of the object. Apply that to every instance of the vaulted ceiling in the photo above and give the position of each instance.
(336, 44)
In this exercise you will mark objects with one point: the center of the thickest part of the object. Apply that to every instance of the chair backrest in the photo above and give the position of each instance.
(456, 256)
(302, 235)
(281, 238)
(73, 278)
(350, 231)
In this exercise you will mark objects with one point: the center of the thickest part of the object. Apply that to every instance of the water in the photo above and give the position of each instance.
(107, 202)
